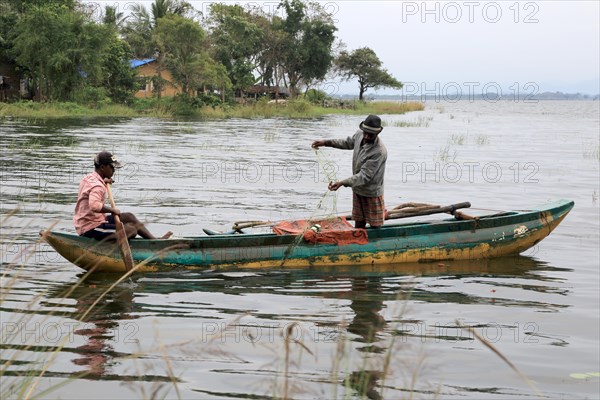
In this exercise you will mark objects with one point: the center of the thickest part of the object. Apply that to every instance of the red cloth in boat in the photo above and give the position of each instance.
(329, 231)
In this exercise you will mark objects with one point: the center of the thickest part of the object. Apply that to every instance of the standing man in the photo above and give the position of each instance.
(368, 167)
(90, 219)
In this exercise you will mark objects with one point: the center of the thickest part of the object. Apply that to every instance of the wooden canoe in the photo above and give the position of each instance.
(449, 239)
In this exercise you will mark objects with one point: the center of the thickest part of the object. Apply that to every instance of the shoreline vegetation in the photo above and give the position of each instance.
(174, 108)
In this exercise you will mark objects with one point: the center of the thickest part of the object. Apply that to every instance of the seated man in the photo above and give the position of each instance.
(90, 219)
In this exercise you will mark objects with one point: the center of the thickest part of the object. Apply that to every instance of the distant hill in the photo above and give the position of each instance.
(490, 96)
(565, 96)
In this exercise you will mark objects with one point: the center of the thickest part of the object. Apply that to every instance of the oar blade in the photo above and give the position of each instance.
(124, 247)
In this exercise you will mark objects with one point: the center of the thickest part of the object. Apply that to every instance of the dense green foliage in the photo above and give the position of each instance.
(65, 55)
(57, 47)
(68, 53)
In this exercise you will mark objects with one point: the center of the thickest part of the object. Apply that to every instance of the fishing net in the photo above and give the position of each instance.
(329, 231)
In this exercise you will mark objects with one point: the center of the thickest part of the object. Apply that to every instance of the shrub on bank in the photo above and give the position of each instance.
(93, 97)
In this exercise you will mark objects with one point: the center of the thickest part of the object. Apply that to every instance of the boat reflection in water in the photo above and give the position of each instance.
(364, 292)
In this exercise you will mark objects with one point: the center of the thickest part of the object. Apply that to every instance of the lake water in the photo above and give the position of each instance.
(313, 333)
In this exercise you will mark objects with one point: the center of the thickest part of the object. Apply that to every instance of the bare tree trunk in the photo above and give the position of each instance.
(285, 84)
(276, 76)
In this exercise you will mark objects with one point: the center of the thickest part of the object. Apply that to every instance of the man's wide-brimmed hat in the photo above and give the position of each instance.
(371, 124)
(106, 158)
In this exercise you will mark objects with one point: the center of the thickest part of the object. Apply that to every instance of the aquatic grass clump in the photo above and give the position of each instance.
(458, 140)
(36, 110)
(592, 152)
(301, 108)
(445, 155)
(294, 109)
(32, 109)
(111, 110)
(192, 107)
(390, 107)
(261, 109)
(482, 140)
(421, 122)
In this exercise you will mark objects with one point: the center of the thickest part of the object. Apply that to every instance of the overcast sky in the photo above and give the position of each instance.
(470, 44)
(519, 47)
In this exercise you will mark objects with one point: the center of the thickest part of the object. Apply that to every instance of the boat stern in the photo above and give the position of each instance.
(88, 254)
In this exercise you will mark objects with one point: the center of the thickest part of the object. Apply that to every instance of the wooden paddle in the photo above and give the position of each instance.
(405, 210)
(424, 210)
(121, 235)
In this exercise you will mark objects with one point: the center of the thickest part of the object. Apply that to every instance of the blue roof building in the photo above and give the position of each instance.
(139, 63)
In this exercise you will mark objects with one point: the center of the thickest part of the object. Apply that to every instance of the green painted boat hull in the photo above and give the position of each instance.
(486, 237)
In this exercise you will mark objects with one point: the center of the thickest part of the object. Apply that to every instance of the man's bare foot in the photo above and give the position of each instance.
(167, 235)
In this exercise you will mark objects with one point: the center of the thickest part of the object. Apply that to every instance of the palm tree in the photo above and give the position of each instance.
(160, 8)
(113, 18)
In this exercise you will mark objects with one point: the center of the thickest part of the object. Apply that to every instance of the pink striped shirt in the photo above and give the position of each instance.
(90, 200)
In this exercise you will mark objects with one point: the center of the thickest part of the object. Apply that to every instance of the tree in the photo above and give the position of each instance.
(8, 19)
(306, 50)
(364, 64)
(59, 49)
(318, 42)
(68, 56)
(236, 41)
(162, 8)
(118, 77)
(22, 6)
(138, 30)
(113, 18)
(268, 65)
(214, 74)
(180, 42)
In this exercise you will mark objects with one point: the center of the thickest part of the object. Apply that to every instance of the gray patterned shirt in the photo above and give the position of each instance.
(368, 164)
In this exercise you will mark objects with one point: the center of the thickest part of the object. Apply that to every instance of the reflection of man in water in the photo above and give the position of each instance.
(366, 306)
(366, 303)
(100, 325)
(94, 351)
